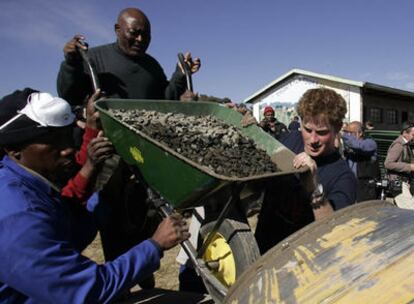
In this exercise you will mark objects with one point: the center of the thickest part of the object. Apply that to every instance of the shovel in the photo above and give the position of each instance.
(85, 57)
(187, 71)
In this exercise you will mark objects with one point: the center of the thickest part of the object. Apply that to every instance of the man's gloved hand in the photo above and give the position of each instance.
(70, 50)
(172, 231)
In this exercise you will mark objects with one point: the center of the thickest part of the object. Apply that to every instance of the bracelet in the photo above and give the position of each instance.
(317, 201)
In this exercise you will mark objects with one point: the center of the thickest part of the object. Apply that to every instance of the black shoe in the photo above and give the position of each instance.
(148, 283)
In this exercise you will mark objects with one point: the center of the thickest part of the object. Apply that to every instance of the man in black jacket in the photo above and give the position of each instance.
(124, 69)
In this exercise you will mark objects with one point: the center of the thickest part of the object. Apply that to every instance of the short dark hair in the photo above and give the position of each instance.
(406, 125)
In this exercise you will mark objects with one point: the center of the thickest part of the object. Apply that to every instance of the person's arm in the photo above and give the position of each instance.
(177, 85)
(323, 210)
(51, 271)
(73, 84)
(189, 96)
(340, 193)
(79, 188)
(283, 128)
(92, 127)
(319, 201)
(365, 146)
(392, 161)
(94, 150)
(264, 124)
(248, 119)
(82, 155)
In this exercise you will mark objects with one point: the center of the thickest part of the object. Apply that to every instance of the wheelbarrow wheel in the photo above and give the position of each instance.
(232, 250)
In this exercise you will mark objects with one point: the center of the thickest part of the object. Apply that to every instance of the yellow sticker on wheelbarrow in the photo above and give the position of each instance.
(136, 154)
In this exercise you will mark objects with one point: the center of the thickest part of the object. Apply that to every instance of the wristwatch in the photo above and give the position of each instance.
(317, 197)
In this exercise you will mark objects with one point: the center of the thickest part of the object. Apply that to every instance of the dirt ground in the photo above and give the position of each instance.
(167, 276)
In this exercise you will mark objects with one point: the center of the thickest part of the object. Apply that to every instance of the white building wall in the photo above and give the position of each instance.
(285, 96)
(355, 104)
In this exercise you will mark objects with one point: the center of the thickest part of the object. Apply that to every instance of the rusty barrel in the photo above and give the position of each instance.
(361, 254)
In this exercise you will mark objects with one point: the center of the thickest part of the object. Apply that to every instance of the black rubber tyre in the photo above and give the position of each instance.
(240, 238)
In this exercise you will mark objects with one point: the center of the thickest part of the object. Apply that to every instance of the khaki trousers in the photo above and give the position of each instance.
(405, 200)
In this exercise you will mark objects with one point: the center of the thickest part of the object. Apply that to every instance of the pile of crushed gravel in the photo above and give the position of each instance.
(203, 139)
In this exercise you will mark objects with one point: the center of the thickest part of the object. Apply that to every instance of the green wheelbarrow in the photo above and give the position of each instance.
(177, 183)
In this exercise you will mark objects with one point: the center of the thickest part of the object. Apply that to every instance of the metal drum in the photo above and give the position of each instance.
(361, 254)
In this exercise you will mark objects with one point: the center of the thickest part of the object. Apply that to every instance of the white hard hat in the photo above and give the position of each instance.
(48, 111)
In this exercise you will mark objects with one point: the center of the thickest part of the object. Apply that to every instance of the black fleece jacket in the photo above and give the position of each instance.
(120, 76)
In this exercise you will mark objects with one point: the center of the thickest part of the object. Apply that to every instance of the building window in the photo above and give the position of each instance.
(407, 116)
(391, 117)
(404, 116)
(365, 113)
(375, 115)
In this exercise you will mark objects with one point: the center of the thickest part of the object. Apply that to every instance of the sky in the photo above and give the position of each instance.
(243, 45)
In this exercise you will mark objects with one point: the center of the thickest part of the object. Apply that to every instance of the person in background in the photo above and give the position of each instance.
(294, 124)
(361, 156)
(399, 163)
(248, 118)
(36, 224)
(369, 125)
(271, 125)
(329, 185)
(94, 150)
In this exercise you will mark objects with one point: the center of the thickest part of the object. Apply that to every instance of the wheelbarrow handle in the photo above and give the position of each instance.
(187, 71)
(85, 57)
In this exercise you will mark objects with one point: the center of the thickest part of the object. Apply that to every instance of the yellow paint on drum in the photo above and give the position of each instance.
(361, 254)
(345, 265)
(394, 284)
(325, 282)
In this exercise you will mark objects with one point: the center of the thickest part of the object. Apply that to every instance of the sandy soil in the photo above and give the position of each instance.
(166, 277)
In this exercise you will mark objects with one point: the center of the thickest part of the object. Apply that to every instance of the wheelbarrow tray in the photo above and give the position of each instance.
(176, 178)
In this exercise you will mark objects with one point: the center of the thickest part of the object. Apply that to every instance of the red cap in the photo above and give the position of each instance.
(268, 109)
